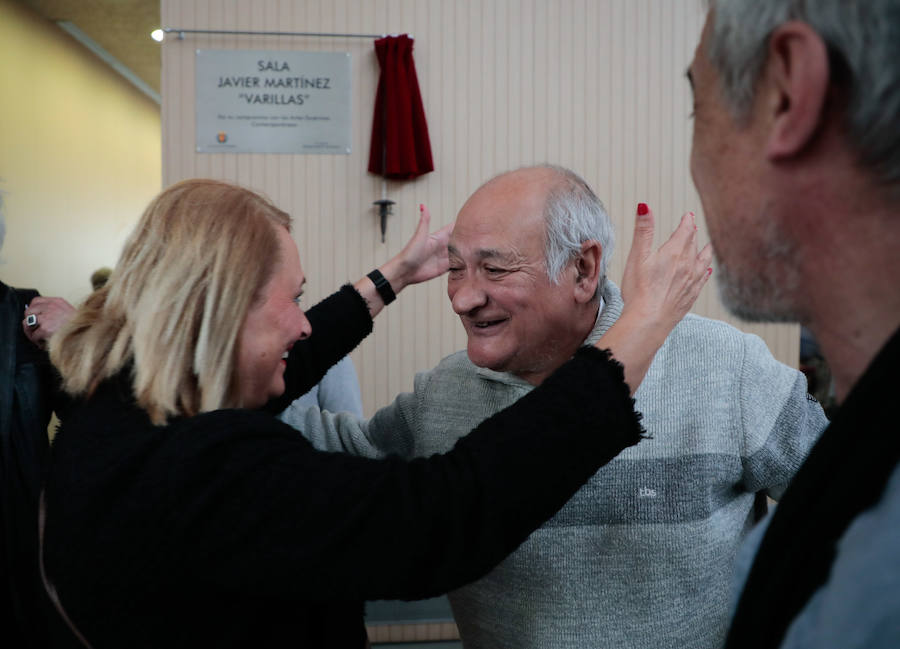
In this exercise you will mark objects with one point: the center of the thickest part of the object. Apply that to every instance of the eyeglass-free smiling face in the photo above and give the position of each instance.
(271, 328)
(515, 318)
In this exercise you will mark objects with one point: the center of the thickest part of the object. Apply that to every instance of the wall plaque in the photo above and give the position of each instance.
(251, 101)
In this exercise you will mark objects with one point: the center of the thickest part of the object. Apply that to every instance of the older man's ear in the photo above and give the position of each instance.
(797, 85)
(587, 271)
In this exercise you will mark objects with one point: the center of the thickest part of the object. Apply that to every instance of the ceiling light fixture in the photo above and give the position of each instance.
(158, 35)
(109, 59)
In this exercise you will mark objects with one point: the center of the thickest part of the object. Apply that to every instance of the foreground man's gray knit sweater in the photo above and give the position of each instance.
(642, 555)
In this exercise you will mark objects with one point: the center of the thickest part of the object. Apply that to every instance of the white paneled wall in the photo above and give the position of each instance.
(595, 85)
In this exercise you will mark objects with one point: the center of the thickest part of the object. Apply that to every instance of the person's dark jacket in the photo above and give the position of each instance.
(27, 394)
(227, 529)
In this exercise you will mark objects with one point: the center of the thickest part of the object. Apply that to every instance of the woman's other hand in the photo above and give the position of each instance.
(659, 287)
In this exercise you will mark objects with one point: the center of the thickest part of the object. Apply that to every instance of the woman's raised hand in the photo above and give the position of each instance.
(662, 285)
(659, 287)
(423, 257)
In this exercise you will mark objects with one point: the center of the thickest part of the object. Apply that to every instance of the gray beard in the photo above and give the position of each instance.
(767, 292)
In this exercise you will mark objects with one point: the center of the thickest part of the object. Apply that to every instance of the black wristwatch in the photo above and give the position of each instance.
(382, 286)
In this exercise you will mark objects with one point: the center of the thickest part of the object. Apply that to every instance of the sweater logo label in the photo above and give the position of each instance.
(646, 492)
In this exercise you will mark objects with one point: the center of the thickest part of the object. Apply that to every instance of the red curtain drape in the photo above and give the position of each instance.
(400, 148)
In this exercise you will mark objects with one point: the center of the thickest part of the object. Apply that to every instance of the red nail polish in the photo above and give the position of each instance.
(709, 271)
(642, 209)
(421, 207)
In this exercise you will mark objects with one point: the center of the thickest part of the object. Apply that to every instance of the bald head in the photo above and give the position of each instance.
(528, 185)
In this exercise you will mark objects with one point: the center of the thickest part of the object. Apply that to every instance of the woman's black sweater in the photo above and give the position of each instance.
(227, 529)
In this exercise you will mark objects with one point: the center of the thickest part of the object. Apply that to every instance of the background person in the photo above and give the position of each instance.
(99, 277)
(28, 396)
(338, 391)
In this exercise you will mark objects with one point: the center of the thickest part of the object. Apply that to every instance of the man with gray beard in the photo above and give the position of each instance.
(796, 156)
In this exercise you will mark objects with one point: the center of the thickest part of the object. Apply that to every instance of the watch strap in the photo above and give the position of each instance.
(384, 288)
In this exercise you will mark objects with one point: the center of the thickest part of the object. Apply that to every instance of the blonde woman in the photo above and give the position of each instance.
(180, 513)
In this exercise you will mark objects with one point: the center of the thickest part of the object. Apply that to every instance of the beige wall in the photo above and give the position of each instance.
(596, 86)
(79, 156)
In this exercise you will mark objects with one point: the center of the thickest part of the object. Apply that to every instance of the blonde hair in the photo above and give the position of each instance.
(176, 301)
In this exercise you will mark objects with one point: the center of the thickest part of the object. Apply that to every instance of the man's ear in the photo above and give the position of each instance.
(795, 88)
(587, 271)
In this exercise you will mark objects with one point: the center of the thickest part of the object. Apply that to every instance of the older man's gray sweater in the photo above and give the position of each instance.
(642, 555)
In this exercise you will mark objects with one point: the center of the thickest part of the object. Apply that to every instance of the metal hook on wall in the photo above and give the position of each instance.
(384, 209)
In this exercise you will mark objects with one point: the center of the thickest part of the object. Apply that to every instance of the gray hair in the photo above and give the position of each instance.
(573, 215)
(863, 41)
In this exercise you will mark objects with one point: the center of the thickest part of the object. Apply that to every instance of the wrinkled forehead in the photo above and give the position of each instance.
(503, 255)
(500, 237)
(502, 216)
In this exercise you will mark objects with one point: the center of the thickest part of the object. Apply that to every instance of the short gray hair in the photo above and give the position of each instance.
(863, 41)
(573, 215)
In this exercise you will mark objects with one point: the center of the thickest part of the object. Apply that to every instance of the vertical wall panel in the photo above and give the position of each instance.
(598, 86)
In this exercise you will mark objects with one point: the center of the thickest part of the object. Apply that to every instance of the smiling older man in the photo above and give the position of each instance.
(642, 555)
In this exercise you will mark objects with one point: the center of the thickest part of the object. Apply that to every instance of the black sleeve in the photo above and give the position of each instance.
(328, 526)
(339, 323)
(48, 389)
(37, 384)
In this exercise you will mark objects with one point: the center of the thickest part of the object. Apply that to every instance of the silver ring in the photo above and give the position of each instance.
(31, 320)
